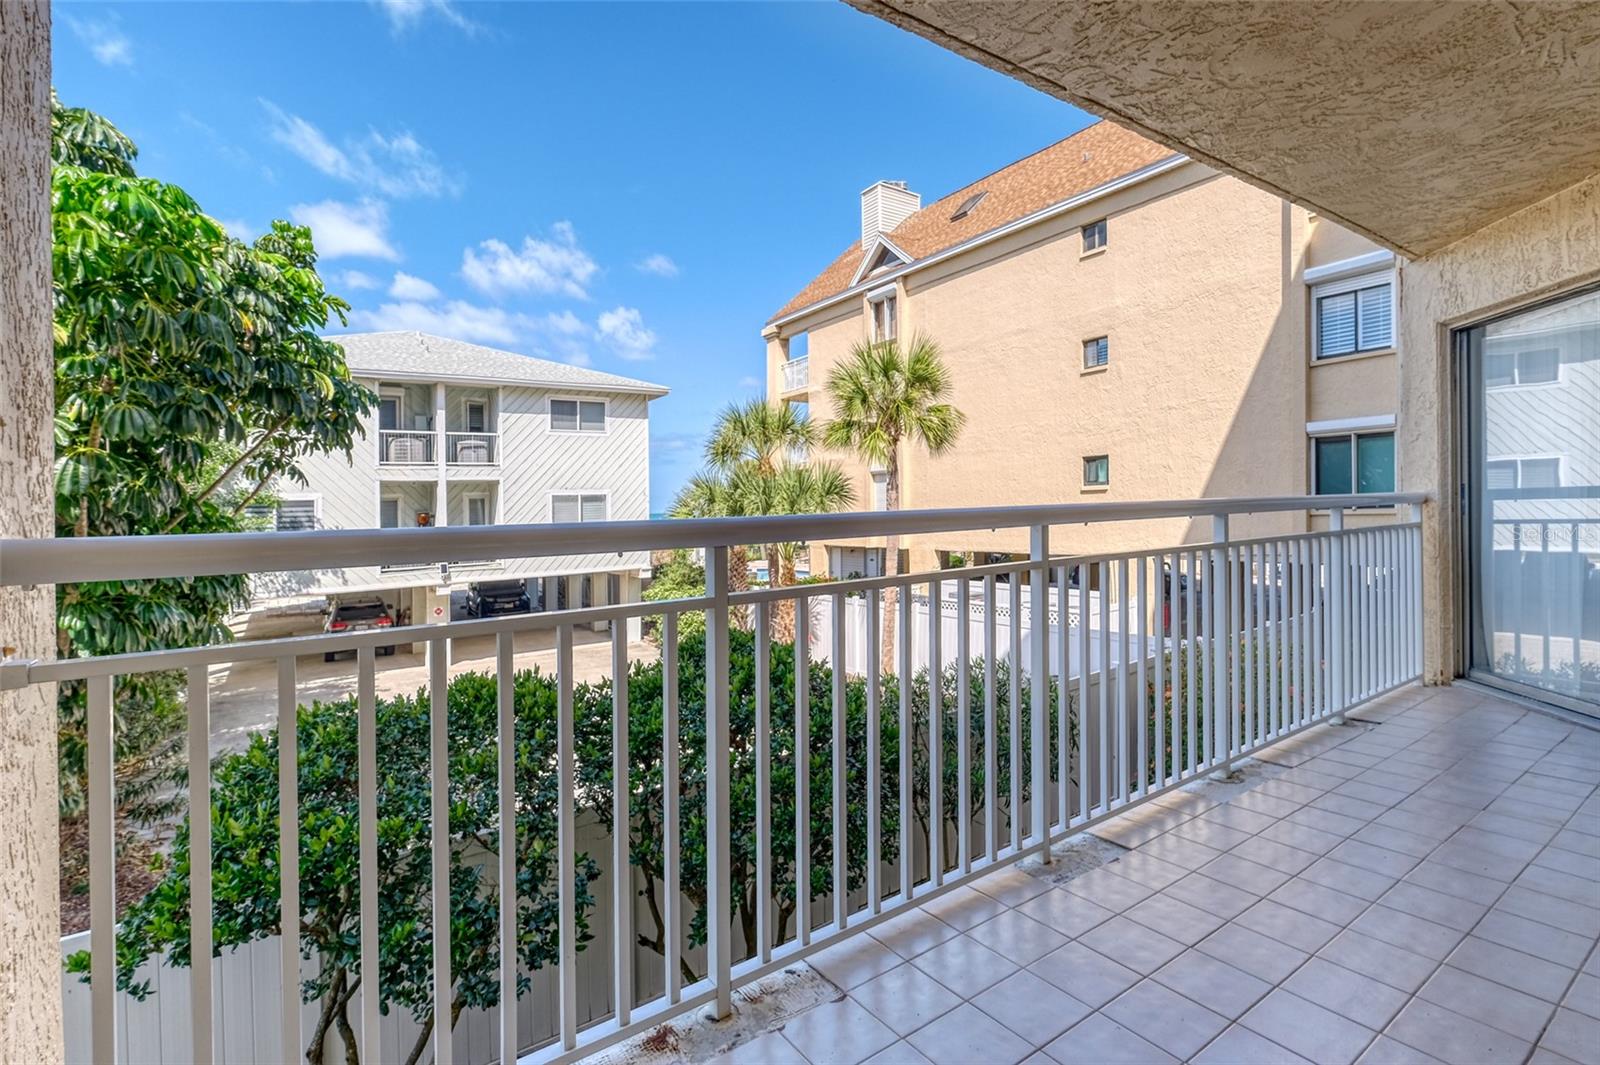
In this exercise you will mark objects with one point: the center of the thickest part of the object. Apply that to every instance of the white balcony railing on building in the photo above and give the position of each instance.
(405, 447)
(472, 449)
(797, 374)
(1076, 730)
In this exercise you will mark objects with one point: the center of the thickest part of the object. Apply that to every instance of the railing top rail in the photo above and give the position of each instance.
(112, 558)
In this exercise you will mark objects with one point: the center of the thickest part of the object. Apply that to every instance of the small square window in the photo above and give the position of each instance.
(1352, 320)
(1096, 471)
(1352, 463)
(1094, 235)
(1096, 352)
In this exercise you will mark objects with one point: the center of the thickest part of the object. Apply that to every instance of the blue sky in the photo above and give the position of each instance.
(635, 187)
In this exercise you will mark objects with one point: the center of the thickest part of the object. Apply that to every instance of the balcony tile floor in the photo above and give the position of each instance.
(1419, 885)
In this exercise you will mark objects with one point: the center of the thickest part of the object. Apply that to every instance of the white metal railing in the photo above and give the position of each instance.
(1218, 649)
(471, 449)
(797, 374)
(406, 447)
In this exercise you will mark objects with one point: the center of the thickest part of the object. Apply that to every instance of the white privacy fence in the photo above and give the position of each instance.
(1013, 735)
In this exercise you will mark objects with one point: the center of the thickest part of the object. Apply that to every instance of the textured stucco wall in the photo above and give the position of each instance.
(30, 954)
(1416, 123)
(1201, 292)
(1536, 253)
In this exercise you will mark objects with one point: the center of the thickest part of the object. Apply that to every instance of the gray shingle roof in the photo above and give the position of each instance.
(423, 355)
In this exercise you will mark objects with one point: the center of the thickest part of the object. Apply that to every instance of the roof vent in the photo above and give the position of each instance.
(885, 205)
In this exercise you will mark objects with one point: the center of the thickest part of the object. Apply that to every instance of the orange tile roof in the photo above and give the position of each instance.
(1086, 160)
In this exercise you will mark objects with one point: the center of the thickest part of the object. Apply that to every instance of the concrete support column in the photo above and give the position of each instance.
(30, 916)
(441, 488)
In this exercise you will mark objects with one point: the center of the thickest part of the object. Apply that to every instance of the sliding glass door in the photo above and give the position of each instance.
(1531, 472)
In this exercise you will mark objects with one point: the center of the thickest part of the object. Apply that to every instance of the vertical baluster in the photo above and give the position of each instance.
(1016, 710)
(621, 822)
(102, 870)
(991, 756)
(367, 825)
(1231, 651)
(506, 795)
(1517, 597)
(1364, 589)
(1285, 649)
(1084, 612)
(1039, 721)
(1416, 590)
(1318, 616)
(1103, 709)
(1391, 644)
(1142, 694)
(935, 737)
(1338, 585)
(719, 904)
(1217, 720)
(1121, 671)
(289, 854)
(1194, 660)
(763, 798)
(1249, 644)
(1162, 603)
(439, 840)
(1306, 706)
(566, 837)
(1064, 699)
(199, 711)
(964, 725)
(802, 769)
(903, 634)
(841, 894)
(874, 755)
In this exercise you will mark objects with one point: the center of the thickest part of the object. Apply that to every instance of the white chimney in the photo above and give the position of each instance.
(884, 206)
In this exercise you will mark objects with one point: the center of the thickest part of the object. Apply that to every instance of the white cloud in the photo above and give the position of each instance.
(457, 318)
(623, 328)
(404, 15)
(566, 323)
(557, 265)
(105, 41)
(347, 229)
(658, 264)
(408, 287)
(356, 279)
(748, 383)
(397, 165)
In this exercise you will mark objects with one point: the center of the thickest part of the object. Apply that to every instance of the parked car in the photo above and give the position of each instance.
(491, 598)
(354, 614)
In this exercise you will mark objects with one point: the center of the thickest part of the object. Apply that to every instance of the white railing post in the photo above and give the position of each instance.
(1415, 592)
(1217, 641)
(1338, 584)
(100, 724)
(200, 1009)
(1039, 645)
(718, 948)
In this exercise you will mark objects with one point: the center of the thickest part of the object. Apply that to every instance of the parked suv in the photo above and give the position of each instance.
(355, 613)
(491, 598)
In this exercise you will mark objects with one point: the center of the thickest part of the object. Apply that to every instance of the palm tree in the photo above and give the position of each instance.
(885, 396)
(707, 495)
(757, 460)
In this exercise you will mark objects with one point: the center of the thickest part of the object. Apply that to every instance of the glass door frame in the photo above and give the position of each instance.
(1462, 466)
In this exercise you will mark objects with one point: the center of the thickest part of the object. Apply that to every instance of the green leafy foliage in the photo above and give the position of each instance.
(245, 869)
(189, 378)
(680, 577)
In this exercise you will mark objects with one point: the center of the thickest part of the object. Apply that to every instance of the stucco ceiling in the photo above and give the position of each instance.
(1415, 123)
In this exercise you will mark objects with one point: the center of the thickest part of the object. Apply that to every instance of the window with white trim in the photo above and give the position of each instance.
(1096, 352)
(1353, 315)
(1094, 235)
(1352, 464)
(884, 318)
(880, 490)
(389, 512)
(572, 507)
(1505, 369)
(296, 514)
(478, 510)
(578, 415)
(1512, 474)
(1096, 471)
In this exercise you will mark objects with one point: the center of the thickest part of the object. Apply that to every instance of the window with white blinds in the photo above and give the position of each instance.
(1511, 474)
(575, 415)
(1096, 352)
(569, 508)
(295, 515)
(1353, 315)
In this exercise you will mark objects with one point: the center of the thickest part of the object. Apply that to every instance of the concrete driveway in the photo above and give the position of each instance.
(244, 697)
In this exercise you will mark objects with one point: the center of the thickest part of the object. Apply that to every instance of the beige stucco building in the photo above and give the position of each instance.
(1121, 322)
